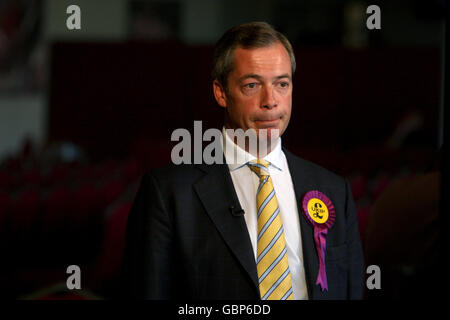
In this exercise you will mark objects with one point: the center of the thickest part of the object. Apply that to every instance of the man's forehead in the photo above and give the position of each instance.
(271, 61)
(275, 55)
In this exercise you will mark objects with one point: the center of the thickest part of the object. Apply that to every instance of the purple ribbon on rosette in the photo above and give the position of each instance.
(320, 230)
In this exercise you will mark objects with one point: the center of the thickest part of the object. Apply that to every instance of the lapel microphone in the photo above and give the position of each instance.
(236, 212)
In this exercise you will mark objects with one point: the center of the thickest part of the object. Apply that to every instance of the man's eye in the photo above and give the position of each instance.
(251, 85)
(284, 84)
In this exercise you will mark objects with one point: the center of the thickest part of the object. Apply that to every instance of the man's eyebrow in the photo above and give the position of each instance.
(251, 75)
(283, 76)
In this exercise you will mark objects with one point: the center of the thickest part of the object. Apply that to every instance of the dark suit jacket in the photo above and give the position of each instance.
(184, 242)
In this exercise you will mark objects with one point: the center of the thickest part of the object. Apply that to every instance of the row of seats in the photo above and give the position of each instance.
(80, 218)
(15, 179)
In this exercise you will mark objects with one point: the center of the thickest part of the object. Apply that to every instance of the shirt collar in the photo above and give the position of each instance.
(236, 157)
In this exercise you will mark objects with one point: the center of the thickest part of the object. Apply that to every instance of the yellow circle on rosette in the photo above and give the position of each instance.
(317, 210)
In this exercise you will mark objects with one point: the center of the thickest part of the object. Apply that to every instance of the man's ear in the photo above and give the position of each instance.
(219, 94)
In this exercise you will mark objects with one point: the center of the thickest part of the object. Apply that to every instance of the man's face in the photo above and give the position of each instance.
(259, 94)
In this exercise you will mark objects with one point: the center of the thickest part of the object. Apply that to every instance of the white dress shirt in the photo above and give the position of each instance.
(246, 183)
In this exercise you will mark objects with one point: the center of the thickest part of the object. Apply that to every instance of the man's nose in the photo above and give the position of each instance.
(268, 100)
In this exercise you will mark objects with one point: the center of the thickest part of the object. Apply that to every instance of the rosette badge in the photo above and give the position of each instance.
(319, 212)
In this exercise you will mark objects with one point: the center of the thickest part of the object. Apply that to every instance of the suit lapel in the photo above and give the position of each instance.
(301, 186)
(217, 193)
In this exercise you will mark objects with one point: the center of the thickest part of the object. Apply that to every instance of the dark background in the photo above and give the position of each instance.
(367, 104)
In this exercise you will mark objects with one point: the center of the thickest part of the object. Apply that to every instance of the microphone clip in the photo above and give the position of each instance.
(236, 212)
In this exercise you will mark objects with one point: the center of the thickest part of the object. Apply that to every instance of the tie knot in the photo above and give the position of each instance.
(260, 167)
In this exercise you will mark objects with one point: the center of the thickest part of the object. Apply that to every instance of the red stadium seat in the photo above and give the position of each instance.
(380, 184)
(25, 210)
(86, 173)
(106, 170)
(31, 177)
(13, 164)
(130, 171)
(58, 175)
(6, 181)
(359, 187)
(109, 192)
(57, 206)
(113, 245)
(86, 202)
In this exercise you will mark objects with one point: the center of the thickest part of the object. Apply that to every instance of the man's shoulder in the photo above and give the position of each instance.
(175, 172)
(182, 174)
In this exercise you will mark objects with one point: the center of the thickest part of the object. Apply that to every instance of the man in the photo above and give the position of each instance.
(238, 230)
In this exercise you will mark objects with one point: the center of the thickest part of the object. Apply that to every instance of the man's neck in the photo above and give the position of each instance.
(258, 147)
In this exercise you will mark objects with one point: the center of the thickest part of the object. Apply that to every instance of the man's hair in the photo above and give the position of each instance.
(248, 36)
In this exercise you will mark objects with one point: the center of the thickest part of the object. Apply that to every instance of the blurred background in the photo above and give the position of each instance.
(84, 113)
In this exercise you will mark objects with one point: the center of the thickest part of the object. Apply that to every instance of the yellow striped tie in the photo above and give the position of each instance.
(272, 259)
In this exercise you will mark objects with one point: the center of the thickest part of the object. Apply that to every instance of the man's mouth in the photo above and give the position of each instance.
(268, 122)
